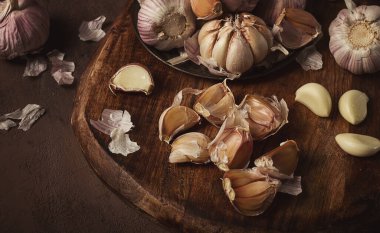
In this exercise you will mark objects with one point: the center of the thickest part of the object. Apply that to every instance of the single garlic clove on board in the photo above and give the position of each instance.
(190, 147)
(132, 78)
(206, 9)
(316, 98)
(357, 144)
(176, 119)
(353, 106)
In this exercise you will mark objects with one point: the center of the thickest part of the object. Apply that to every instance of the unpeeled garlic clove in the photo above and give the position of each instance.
(315, 97)
(265, 116)
(249, 191)
(295, 28)
(215, 103)
(353, 106)
(357, 144)
(176, 119)
(282, 160)
(190, 147)
(206, 9)
(132, 78)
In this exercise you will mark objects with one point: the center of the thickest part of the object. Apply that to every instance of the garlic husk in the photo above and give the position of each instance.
(215, 103)
(206, 9)
(249, 191)
(269, 10)
(358, 145)
(296, 28)
(310, 59)
(113, 119)
(92, 30)
(190, 147)
(28, 116)
(240, 5)
(121, 143)
(35, 66)
(355, 38)
(24, 27)
(165, 24)
(264, 115)
(132, 78)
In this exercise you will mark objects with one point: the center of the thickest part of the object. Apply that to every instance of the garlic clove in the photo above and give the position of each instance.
(240, 177)
(316, 98)
(257, 42)
(210, 26)
(239, 55)
(205, 47)
(132, 78)
(357, 144)
(206, 9)
(176, 119)
(190, 147)
(353, 106)
(219, 51)
(121, 143)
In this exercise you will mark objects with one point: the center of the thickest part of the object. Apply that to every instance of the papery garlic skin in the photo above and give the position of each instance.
(165, 24)
(24, 28)
(206, 9)
(355, 39)
(190, 147)
(358, 145)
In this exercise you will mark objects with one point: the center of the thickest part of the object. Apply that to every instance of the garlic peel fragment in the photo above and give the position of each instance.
(113, 119)
(28, 116)
(35, 67)
(353, 106)
(132, 78)
(315, 97)
(121, 143)
(7, 124)
(92, 30)
(358, 145)
(310, 59)
(61, 70)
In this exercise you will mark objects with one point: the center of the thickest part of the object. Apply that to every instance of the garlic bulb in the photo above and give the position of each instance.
(206, 9)
(165, 24)
(240, 5)
(24, 27)
(234, 44)
(355, 38)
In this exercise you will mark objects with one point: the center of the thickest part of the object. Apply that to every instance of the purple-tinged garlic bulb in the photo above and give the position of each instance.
(355, 38)
(24, 27)
(165, 24)
(240, 5)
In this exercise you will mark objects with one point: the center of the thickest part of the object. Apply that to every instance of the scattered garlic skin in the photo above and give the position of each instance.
(316, 98)
(353, 106)
(240, 5)
(206, 9)
(133, 77)
(355, 38)
(165, 24)
(24, 27)
(190, 147)
(358, 145)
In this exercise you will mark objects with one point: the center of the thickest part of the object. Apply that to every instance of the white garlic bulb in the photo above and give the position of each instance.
(165, 24)
(24, 27)
(234, 44)
(355, 38)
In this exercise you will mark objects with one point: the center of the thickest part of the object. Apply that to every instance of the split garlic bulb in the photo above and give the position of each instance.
(234, 44)
(165, 24)
(355, 38)
(24, 27)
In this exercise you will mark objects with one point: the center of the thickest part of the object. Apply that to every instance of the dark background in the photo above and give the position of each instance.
(46, 185)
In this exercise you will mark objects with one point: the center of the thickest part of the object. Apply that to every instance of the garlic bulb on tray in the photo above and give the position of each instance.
(24, 27)
(355, 38)
(165, 24)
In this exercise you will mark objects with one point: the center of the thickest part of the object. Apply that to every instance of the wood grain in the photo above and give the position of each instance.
(340, 192)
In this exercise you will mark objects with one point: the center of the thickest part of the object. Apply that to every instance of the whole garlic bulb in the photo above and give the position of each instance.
(240, 5)
(24, 27)
(355, 38)
(165, 24)
(236, 43)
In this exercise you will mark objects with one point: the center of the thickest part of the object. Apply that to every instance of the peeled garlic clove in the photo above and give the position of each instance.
(215, 103)
(315, 97)
(190, 147)
(206, 9)
(353, 106)
(283, 159)
(265, 116)
(296, 28)
(176, 119)
(357, 144)
(132, 78)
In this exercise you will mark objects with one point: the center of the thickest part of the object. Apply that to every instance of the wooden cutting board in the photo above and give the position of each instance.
(340, 193)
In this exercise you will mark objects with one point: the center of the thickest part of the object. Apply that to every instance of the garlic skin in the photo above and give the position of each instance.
(165, 24)
(190, 147)
(206, 9)
(358, 145)
(264, 115)
(353, 106)
(355, 38)
(249, 191)
(24, 27)
(316, 98)
(240, 5)
(235, 44)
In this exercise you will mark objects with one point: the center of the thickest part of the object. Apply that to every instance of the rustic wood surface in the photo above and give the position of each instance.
(340, 192)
